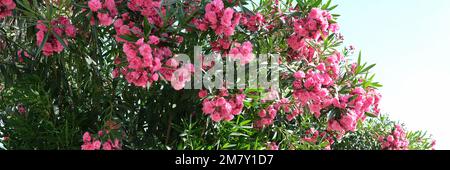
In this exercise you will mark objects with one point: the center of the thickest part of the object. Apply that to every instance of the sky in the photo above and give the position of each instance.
(409, 41)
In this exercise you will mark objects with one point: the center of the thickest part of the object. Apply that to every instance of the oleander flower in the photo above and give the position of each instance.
(6, 8)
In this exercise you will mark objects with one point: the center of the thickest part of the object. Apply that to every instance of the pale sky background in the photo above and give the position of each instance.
(409, 41)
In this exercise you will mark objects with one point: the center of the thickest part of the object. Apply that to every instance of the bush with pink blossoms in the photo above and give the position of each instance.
(115, 78)
(376, 133)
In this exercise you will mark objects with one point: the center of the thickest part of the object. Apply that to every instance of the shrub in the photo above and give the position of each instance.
(107, 74)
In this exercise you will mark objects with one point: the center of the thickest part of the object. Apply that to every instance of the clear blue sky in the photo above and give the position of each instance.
(409, 41)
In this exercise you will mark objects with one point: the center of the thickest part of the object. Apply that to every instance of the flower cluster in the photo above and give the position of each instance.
(105, 11)
(148, 59)
(6, 8)
(313, 136)
(220, 19)
(92, 143)
(244, 52)
(315, 89)
(312, 88)
(124, 26)
(181, 76)
(60, 27)
(21, 54)
(266, 116)
(362, 102)
(143, 62)
(253, 22)
(224, 106)
(396, 140)
(294, 114)
(223, 43)
(317, 23)
(21, 109)
(150, 9)
(272, 146)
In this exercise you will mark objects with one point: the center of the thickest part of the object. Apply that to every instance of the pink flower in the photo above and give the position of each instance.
(216, 117)
(299, 75)
(215, 5)
(115, 73)
(70, 31)
(172, 63)
(145, 50)
(135, 63)
(62, 27)
(211, 17)
(180, 77)
(21, 109)
(87, 146)
(390, 138)
(104, 19)
(6, 8)
(94, 5)
(86, 137)
(142, 80)
(97, 145)
(396, 140)
(221, 108)
(107, 146)
(129, 50)
(334, 27)
(317, 23)
(136, 78)
(202, 93)
(262, 113)
(267, 116)
(348, 122)
(227, 17)
(179, 39)
(208, 107)
(334, 125)
(222, 21)
(200, 25)
(20, 56)
(154, 40)
(433, 144)
(242, 52)
(111, 6)
(254, 22)
(272, 146)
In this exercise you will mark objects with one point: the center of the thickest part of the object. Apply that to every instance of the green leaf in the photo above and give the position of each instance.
(368, 68)
(245, 122)
(42, 44)
(370, 114)
(60, 40)
(130, 38)
(147, 27)
(359, 58)
(325, 7)
(238, 134)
